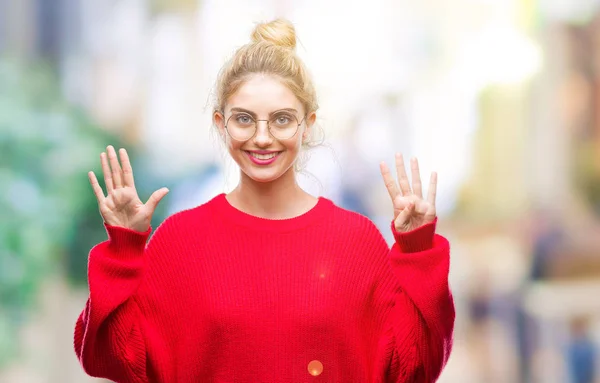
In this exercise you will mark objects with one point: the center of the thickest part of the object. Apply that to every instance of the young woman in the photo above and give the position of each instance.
(266, 283)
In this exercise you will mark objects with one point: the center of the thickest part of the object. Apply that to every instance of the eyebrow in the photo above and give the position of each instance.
(236, 109)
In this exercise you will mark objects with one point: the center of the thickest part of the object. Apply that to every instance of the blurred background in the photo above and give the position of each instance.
(500, 97)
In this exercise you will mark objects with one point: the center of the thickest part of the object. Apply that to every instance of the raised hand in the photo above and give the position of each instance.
(122, 206)
(410, 209)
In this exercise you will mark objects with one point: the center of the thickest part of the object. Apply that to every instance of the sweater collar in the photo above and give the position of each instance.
(223, 208)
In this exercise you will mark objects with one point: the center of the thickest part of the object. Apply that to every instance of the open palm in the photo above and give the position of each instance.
(121, 206)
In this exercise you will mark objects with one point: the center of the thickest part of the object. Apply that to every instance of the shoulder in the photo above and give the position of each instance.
(191, 218)
(354, 223)
(350, 217)
(357, 235)
(203, 210)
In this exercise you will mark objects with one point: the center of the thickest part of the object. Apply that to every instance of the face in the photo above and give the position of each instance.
(263, 157)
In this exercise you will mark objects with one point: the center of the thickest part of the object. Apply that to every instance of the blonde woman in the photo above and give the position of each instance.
(266, 283)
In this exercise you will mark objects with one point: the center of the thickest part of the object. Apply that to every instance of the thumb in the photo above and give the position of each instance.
(156, 197)
(404, 216)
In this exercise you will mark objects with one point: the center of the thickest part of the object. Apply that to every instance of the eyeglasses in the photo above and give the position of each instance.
(282, 125)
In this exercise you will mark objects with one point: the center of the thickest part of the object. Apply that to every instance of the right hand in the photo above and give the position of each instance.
(122, 206)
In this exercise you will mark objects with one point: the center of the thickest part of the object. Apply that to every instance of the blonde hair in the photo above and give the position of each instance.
(272, 51)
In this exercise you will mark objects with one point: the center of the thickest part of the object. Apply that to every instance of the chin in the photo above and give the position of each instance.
(262, 175)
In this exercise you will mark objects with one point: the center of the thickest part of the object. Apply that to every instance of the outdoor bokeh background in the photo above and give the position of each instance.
(500, 97)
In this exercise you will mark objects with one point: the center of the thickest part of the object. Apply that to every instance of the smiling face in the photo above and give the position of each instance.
(263, 157)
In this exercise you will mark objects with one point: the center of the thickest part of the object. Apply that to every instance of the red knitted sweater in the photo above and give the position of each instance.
(218, 295)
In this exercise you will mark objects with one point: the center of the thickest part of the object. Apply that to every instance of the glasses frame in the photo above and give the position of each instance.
(256, 128)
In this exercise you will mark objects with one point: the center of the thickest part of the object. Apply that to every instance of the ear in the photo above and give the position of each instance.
(310, 120)
(219, 121)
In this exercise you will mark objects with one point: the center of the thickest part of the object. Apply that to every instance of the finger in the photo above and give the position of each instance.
(416, 178)
(421, 206)
(96, 187)
(155, 198)
(404, 216)
(402, 177)
(127, 170)
(388, 180)
(116, 168)
(430, 215)
(107, 173)
(432, 189)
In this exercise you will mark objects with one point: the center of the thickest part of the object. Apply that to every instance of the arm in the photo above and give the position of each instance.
(419, 321)
(417, 337)
(110, 333)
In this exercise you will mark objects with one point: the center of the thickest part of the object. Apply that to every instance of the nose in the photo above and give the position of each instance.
(262, 136)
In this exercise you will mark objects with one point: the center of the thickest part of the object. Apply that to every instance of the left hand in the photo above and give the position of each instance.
(410, 209)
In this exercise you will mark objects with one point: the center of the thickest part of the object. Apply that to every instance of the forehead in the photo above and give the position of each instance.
(264, 94)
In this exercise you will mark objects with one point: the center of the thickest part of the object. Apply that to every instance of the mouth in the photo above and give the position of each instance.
(263, 158)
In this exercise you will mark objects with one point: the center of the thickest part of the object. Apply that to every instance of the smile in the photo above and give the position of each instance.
(263, 159)
(264, 156)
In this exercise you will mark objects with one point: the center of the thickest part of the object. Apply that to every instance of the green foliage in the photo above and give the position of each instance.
(46, 149)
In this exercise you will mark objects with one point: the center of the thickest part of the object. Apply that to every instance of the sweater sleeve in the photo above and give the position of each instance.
(109, 335)
(418, 327)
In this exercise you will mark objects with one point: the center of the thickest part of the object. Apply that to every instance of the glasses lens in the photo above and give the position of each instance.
(241, 126)
(283, 125)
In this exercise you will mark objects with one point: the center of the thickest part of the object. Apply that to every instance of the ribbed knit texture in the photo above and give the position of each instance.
(218, 295)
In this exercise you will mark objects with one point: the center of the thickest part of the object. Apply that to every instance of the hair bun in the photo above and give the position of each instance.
(279, 32)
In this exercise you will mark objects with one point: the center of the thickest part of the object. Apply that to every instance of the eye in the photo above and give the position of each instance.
(283, 120)
(243, 119)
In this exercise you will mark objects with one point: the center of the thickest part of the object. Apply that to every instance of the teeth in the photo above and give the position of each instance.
(263, 156)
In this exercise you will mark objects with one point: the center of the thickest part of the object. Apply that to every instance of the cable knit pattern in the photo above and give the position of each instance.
(218, 295)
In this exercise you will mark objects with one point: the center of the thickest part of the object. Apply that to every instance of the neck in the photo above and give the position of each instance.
(279, 199)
